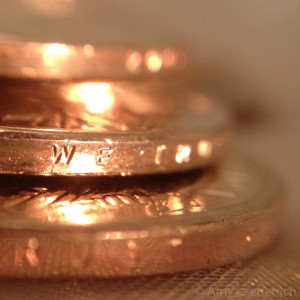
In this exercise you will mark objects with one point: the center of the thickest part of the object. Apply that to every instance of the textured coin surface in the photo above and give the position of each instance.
(107, 128)
(123, 106)
(138, 224)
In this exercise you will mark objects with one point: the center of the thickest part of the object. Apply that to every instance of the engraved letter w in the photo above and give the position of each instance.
(64, 154)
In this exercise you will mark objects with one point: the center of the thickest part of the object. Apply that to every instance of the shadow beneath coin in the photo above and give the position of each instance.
(11, 185)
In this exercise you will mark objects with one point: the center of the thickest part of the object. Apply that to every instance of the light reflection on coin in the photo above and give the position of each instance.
(89, 106)
(136, 225)
(131, 132)
(60, 61)
(59, 40)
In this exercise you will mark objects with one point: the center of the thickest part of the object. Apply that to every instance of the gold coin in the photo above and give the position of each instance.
(93, 128)
(60, 40)
(60, 61)
(136, 225)
(123, 106)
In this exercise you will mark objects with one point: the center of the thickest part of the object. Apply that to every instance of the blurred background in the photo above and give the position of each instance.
(246, 53)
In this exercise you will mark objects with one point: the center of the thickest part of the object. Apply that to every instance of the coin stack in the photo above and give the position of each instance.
(111, 166)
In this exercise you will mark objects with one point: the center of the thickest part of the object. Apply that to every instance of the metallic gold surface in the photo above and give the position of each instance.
(136, 225)
(90, 105)
(59, 40)
(107, 128)
(20, 59)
